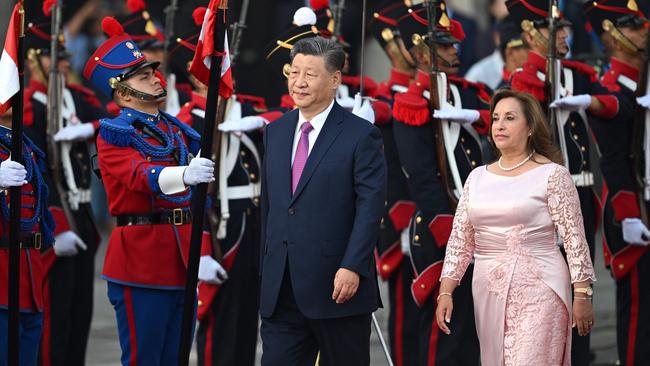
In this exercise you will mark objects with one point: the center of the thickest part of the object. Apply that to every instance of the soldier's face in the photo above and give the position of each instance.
(636, 35)
(310, 84)
(509, 126)
(561, 45)
(63, 65)
(145, 80)
(447, 60)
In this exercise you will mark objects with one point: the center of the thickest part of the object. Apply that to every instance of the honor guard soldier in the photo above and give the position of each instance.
(228, 306)
(580, 98)
(512, 48)
(393, 264)
(623, 30)
(70, 267)
(463, 114)
(36, 234)
(146, 164)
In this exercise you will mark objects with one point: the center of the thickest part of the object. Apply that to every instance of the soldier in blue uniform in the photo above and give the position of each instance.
(145, 159)
(36, 232)
(463, 115)
(70, 268)
(623, 29)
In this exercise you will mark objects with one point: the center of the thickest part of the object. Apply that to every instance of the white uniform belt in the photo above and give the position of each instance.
(583, 179)
(249, 191)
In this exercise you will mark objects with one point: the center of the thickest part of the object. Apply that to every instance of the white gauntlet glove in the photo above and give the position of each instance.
(363, 108)
(462, 116)
(644, 101)
(572, 102)
(67, 244)
(200, 170)
(12, 174)
(211, 271)
(635, 232)
(248, 123)
(81, 131)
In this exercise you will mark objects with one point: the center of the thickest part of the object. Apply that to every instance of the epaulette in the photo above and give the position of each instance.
(481, 88)
(383, 91)
(185, 114)
(582, 68)
(411, 107)
(258, 102)
(382, 112)
(609, 81)
(530, 83)
(88, 94)
(369, 85)
(118, 131)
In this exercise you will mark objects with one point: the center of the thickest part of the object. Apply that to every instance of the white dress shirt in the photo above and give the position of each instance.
(317, 122)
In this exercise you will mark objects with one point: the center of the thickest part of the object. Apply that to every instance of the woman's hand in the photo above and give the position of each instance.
(583, 316)
(443, 312)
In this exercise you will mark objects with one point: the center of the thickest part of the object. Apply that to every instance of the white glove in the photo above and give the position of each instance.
(81, 131)
(346, 102)
(12, 174)
(211, 271)
(248, 123)
(200, 170)
(644, 101)
(635, 232)
(67, 244)
(463, 116)
(572, 102)
(405, 242)
(363, 108)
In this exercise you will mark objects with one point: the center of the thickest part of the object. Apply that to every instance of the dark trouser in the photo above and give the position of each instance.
(404, 316)
(461, 347)
(289, 338)
(69, 299)
(633, 314)
(580, 344)
(31, 325)
(228, 333)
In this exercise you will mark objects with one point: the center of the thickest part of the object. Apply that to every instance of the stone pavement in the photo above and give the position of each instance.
(104, 349)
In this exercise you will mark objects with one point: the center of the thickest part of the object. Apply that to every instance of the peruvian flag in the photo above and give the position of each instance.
(205, 50)
(9, 62)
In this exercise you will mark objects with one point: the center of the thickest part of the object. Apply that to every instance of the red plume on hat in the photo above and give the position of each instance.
(456, 30)
(319, 4)
(136, 5)
(112, 27)
(47, 7)
(198, 14)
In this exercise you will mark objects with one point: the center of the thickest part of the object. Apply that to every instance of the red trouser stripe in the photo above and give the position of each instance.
(634, 316)
(207, 356)
(130, 318)
(399, 318)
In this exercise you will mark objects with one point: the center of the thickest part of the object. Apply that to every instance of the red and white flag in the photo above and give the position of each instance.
(9, 62)
(205, 50)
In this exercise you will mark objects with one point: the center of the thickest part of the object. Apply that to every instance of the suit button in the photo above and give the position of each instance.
(291, 211)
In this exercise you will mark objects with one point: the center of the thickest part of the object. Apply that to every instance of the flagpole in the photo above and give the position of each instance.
(15, 204)
(199, 193)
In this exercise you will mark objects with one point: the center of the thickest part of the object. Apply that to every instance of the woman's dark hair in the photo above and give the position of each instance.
(540, 138)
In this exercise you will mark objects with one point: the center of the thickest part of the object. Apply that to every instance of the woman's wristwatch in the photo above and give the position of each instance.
(584, 290)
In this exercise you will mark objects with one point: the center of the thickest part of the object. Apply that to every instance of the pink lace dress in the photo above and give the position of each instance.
(521, 285)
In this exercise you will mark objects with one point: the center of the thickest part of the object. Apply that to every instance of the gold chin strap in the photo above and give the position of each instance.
(119, 86)
(529, 28)
(609, 27)
(33, 56)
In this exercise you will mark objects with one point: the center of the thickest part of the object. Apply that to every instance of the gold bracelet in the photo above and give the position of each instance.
(442, 294)
(582, 298)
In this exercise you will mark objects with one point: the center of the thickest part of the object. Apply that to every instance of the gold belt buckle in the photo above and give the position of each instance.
(177, 216)
(38, 241)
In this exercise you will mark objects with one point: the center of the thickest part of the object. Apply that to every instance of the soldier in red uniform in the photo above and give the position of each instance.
(145, 159)
(623, 30)
(36, 232)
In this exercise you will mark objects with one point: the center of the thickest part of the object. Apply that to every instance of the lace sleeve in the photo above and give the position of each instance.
(460, 246)
(564, 207)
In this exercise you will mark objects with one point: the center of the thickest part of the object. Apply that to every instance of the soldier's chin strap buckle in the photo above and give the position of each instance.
(177, 216)
(38, 241)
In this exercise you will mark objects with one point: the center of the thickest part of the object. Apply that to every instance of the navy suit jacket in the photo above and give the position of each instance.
(331, 221)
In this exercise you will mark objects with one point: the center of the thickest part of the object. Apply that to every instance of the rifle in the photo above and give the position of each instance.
(214, 219)
(552, 82)
(435, 101)
(638, 135)
(338, 20)
(170, 14)
(237, 31)
(54, 115)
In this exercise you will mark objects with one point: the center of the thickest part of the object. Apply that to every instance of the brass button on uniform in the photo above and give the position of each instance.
(416, 238)
(583, 148)
(149, 158)
(575, 136)
(246, 165)
(473, 163)
(242, 153)
(573, 123)
(153, 171)
(385, 267)
(256, 200)
(200, 303)
(621, 266)
(422, 286)
(252, 175)
(468, 151)
(418, 219)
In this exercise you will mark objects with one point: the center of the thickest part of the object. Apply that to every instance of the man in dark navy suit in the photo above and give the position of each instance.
(323, 192)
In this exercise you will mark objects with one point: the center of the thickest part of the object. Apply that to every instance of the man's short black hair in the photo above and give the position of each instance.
(329, 50)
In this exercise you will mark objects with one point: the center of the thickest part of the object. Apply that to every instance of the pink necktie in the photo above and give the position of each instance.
(302, 152)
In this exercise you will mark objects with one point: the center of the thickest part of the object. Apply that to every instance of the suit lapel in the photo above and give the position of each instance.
(331, 129)
(285, 146)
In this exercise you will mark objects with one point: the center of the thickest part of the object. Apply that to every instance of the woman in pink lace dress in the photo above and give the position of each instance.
(506, 221)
